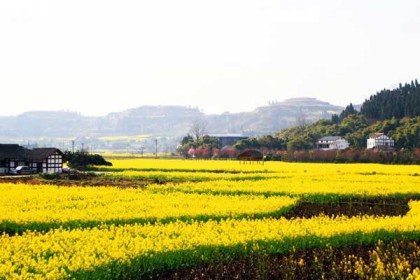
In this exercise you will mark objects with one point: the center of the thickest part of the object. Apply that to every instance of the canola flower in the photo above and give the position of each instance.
(30, 206)
(112, 232)
(116, 250)
(269, 166)
(191, 176)
(185, 165)
(278, 177)
(415, 275)
(355, 185)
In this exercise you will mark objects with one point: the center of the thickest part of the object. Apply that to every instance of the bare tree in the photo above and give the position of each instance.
(301, 119)
(198, 129)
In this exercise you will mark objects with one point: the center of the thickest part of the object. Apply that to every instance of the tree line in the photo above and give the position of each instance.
(393, 112)
(401, 102)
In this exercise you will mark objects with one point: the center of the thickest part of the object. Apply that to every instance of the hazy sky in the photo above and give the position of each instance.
(98, 56)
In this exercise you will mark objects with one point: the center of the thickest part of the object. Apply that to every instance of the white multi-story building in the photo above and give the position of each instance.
(380, 141)
(332, 143)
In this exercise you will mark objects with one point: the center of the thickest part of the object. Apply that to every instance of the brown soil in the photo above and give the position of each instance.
(327, 263)
(86, 181)
(353, 207)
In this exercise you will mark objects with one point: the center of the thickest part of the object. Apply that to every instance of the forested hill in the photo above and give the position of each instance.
(394, 112)
(356, 129)
(401, 102)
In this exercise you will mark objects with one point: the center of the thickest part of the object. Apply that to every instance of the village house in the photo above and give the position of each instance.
(228, 139)
(41, 160)
(380, 141)
(332, 143)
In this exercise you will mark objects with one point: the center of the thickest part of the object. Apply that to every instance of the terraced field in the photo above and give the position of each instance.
(215, 219)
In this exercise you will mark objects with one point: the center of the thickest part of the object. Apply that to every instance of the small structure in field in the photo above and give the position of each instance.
(251, 156)
(43, 160)
(380, 141)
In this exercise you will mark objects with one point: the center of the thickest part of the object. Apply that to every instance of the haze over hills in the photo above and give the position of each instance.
(171, 122)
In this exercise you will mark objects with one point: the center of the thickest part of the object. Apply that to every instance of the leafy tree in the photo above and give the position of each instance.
(267, 142)
(201, 147)
(187, 139)
(81, 160)
(352, 123)
(300, 143)
(335, 119)
(401, 102)
(407, 134)
(349, 110)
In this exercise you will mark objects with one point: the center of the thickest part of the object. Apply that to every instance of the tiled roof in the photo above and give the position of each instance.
(330, 138)
(40, 153)
(11, 151)
(233, 135)
(14, 151)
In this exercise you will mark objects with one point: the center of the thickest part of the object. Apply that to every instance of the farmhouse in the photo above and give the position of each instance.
(43, 160)
(380, 141)
(332, 143)
(228, 139)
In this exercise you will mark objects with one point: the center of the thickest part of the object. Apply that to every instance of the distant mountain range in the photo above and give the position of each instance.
(165, 120)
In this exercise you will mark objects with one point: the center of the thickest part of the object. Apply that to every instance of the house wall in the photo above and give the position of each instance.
(339, 144)
(53, 164)
(5, 166)
(381, 141)
(8, 164)
(371, 143)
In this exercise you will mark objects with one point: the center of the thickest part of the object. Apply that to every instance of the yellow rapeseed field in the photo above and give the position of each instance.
(59, 253)
(193, 176)
(272, 166)
(206, 211)
(380, 185)
(32, 206)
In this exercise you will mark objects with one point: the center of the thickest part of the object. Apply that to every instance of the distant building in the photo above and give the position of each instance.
(380, 141)
(42, 160)
(228, 139)
(332, 143)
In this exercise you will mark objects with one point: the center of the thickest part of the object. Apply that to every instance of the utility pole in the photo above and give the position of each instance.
(72, 146)
(156, 140)
(141, 150)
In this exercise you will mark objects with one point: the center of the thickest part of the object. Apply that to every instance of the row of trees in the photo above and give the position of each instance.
(401, 102)
(393, 112)
(199, 145)
(215, 153)
(267, 142)
(354, 128)
(353, 155)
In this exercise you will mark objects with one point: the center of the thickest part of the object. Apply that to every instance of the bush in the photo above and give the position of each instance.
(81, 160)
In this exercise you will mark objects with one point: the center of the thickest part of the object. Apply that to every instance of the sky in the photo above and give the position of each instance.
(101, 56)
